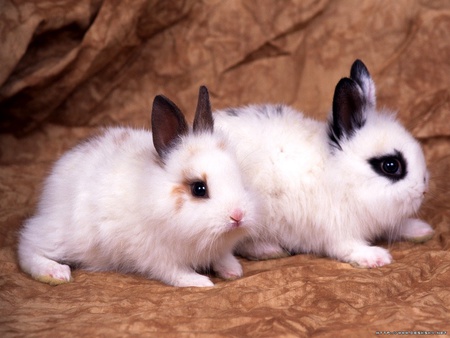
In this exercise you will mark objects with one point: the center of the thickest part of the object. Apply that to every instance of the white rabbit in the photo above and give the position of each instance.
(330, 188)
(160, 204)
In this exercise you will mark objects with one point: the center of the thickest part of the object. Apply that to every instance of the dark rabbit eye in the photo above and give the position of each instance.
(199, 189)
(392, 167)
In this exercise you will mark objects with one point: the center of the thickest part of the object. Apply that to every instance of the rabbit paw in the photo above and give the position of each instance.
(416, 230)
(228, 268)
(370, 257)
(54, 273)
(192, 279)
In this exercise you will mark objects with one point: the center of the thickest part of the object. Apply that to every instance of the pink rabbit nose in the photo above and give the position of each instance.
(237, 215)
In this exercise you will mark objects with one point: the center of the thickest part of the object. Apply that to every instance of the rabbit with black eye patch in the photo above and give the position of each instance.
(162, 204)
(331, 188)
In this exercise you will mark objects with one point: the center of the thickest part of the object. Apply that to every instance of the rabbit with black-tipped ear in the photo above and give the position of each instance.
(331, 188)
(161, 204)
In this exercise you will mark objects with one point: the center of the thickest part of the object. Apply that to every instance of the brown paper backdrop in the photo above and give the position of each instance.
(69, 67)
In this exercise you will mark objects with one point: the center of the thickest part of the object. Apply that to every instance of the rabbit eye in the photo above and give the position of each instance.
(392, 167)
(199, 189)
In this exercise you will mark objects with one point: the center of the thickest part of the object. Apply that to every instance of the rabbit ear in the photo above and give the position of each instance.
(360, 74)
(168, 124)
(203, 121)
(348, 110)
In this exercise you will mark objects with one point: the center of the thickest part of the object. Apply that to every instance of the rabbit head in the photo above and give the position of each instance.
(378, 160)
(207, 197)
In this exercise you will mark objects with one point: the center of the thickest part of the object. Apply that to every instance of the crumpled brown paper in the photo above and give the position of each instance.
(69, 67)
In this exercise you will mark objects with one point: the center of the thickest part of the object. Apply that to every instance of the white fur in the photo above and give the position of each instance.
(110, 204)
(322, 200)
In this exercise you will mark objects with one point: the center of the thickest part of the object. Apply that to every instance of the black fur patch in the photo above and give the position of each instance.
(267, 110)
(391, 166)
(279, 109)
(231, 112)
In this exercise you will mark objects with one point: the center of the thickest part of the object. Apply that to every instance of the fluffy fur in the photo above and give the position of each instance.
(117, 203)
(321, 182)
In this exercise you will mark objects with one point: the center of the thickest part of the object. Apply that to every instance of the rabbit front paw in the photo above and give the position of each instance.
(228, 268)
(192, 279)
(369, 257)
(54, 273)
(416, 230)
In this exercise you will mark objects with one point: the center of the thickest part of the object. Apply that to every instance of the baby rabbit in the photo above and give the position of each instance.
(330, 188)
(161, 204)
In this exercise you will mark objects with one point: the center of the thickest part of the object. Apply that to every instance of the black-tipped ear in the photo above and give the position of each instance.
(359, 71)
(348, 108)
(203, 120)
(360, 74)
(168, 124)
